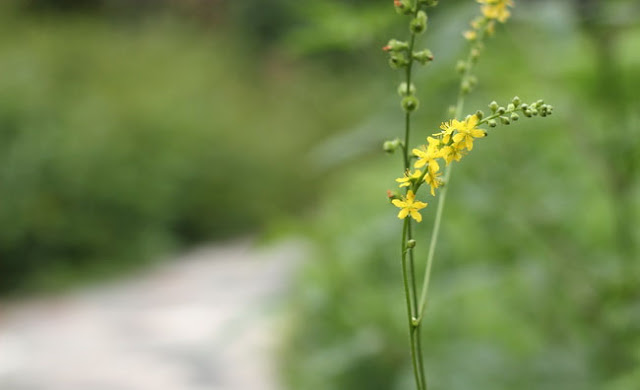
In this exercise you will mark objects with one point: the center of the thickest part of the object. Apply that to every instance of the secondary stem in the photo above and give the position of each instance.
(441, 201)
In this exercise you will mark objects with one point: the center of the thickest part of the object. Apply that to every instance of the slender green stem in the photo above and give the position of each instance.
(443, 197)
(410, 312)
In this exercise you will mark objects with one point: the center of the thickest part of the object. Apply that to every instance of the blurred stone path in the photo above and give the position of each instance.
(208, 320)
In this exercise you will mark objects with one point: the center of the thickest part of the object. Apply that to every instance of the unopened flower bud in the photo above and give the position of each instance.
(402, 89)
(397, 60)
(461, 67)
(492, 123)
(479, 114)
(501, 110)
(527, 112)
(493, 106)
(539, 103)
(465, 87)
(411, 243)
(391, 146)
(505, 120)
(524, 106)
(515, 117)
(510, 107)
(419, 23)
(410, 103)
(423, 56)
(516, 101)
(402, 6)
(396, 45)
(475, 54)
(534, 111)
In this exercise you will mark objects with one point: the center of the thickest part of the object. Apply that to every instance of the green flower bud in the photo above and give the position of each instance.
(539, 103)
(402, 89)
(511, 107)
(411, 244)
(501, 110)
(423, 56)
(527, 112)
(549, 109)
(403, 6)
(493, 106)
(397, 60)
(516, 101)
(524, 107)
(475, 54)
(410, 103)
(465, 87)
(505, 120)
(396, 45)
(492, 123)
(515, 117)
(461, 67)
(534, 111)
(480, 114)
(419, 23)
(391, 146)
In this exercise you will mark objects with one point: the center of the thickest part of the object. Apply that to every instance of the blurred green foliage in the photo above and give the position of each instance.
(535, 283)
(120, 139)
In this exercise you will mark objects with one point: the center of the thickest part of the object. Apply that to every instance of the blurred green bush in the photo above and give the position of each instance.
(121, 139)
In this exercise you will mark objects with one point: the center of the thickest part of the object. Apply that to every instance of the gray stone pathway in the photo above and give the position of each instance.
(209, 320)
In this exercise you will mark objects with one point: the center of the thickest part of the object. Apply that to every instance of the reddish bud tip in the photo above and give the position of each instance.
(386, 48)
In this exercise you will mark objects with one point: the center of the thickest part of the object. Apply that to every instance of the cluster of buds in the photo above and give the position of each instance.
(402, 54)
(507, 115)
(399, 54)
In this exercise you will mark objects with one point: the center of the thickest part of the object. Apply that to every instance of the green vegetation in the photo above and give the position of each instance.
(126, 134)
(535, 285)
(120, 140)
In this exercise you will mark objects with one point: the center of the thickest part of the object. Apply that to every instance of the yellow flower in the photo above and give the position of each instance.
(409, 178)
(467, 131)
(453, 152)
(409, 206)
(433, 179)
(427, 156)
(447, 130)
(496, 9)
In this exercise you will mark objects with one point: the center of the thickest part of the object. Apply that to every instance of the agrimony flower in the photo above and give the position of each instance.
(496, 9)
(467, 131)
(409, 178)
(409, 206)
(427, 156)
(434, 181)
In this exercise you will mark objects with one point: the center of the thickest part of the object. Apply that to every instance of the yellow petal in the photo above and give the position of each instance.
(416, 215)
(418, 152)
(469, 143)
(399, 203)
(403, 213)
(419, 205)
(477, 133)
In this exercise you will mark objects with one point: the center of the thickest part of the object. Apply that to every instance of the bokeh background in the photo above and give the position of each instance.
(133, 130)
